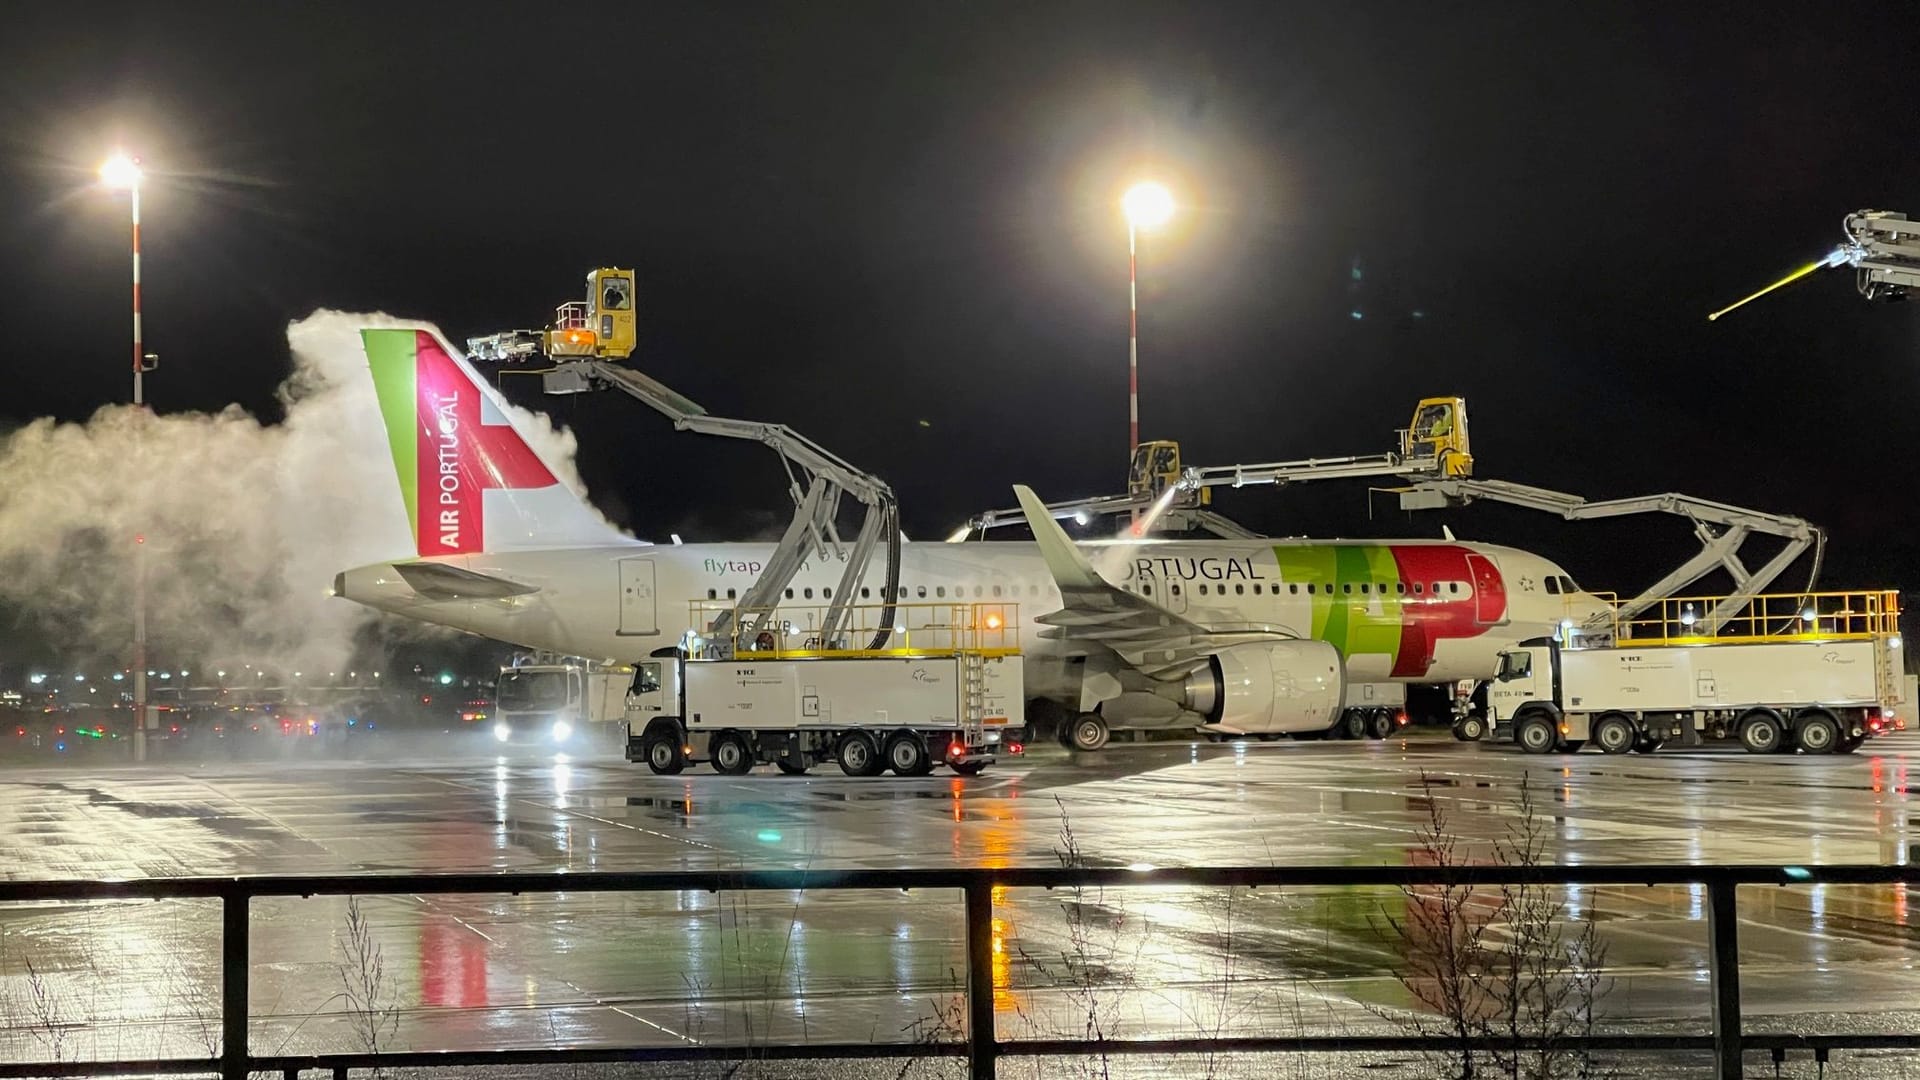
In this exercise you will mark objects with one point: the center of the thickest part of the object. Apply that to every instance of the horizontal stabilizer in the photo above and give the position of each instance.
(438, 581)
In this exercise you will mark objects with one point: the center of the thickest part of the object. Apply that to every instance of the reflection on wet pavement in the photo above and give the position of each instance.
(132, 979)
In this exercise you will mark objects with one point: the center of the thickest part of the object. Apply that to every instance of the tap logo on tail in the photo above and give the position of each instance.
(451, 441)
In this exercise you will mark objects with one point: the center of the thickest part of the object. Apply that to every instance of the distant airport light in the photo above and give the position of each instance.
(1148, 204)
(446, 678)
(1080, 517)
(79, 678)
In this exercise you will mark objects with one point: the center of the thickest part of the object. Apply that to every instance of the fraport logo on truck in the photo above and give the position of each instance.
(730, 566)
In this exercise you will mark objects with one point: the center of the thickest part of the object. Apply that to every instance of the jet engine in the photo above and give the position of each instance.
(1264, 687)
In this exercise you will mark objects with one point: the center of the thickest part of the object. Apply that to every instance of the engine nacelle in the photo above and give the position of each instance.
(1264, 687)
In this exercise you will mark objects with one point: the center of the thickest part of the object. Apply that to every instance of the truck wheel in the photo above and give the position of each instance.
(792, 766)
(967, 768)
(858, 756)
(731, 755)
(907, 755)
(1536, 734)
(1470, 728)
(1850, 743)
(1816, 731)
(1760, 733)
(663, 753)
(1353, 724)
(1614, 734)
(1379, 724)
(1089, 732)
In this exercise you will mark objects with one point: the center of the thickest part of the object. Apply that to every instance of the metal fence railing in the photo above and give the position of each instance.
(981, 1048)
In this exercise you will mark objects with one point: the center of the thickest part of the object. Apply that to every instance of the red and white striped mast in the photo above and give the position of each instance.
(123, 172)
(1147, 205)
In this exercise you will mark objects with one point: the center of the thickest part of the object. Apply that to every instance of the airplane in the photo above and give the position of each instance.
(1224, 636)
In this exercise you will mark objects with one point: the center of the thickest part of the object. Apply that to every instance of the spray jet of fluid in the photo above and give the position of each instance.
(1838, 257)
(1160, 505)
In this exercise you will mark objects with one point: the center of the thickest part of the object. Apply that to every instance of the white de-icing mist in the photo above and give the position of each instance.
(245, 523)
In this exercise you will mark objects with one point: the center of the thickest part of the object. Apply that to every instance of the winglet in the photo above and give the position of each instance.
(1070, 569)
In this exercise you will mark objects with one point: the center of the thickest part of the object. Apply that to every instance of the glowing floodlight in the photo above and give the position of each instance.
(121, 171)
(1147, 205)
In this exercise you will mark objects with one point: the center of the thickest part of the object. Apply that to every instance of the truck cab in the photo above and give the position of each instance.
(556, 705)
(1525, 677)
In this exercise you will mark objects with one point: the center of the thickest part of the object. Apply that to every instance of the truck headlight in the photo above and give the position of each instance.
(561, 729)
(502, 732)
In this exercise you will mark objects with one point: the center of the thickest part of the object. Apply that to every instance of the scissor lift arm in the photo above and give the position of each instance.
(817, 479)
(1720, 527)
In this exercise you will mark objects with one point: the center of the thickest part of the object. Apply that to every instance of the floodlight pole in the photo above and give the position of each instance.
(1133, 343)
(139, 542)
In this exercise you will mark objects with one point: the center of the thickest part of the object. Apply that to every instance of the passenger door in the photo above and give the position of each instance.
(1489, 591)
(637, 608)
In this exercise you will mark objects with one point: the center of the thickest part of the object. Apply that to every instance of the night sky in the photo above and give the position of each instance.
(895, 227)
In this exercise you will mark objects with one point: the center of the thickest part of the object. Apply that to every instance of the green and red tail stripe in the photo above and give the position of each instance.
(450, 440)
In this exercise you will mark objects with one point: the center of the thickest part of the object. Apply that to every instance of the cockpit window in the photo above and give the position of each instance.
(1567, 585)
(616, 293)
(1552, 583)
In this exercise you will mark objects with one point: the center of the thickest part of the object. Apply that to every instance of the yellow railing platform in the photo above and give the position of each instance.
(791, 631)
(1817, 616)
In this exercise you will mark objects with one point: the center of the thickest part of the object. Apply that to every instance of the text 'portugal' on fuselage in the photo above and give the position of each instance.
(503, 549)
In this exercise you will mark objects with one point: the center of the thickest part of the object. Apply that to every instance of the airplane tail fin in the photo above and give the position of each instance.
(470, 481)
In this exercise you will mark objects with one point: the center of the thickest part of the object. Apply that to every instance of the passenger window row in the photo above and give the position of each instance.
(939, 592)
(1555, 584)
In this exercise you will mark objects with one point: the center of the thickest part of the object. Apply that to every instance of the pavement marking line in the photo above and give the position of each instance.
(603, 1003)
(578, 814)
(427, 903)
(688, 1039)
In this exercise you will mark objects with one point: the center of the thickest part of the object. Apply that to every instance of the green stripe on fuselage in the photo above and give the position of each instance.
(391, 356)
(1351, 621)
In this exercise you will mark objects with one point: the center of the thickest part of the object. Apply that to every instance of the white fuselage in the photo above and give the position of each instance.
(1407, 611)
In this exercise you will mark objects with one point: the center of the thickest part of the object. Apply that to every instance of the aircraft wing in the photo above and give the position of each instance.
(438, 581)
(1145, 634)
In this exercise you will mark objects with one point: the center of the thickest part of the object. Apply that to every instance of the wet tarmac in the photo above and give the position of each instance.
(140, 979)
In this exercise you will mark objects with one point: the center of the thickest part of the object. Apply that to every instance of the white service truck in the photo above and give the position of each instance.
(868, 714)
(555, 704)
(1817, 696)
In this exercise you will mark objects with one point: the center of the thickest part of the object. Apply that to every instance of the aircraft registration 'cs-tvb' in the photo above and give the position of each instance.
(1231, 636)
